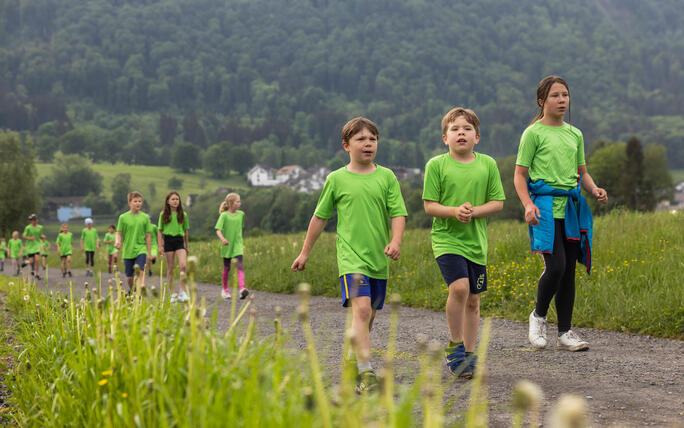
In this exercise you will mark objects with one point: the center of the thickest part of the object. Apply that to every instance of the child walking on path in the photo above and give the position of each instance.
(44, 248)
(64, 248)
(32, 234)
(368, 199)
(229, 230)
(3, 253)
(90, 241)
(550, 169)
(173, 241)
(133, 238)
(109, 240)
(15, 251)
(462, 188)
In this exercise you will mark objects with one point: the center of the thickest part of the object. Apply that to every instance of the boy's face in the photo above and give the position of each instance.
(461, 136)
(111, 230)
(15, 235)
(362, 147)
(89, 225)
(34, 222)
(135, 204)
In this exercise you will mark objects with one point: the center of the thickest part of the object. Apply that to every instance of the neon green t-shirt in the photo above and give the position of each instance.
(365, 204)
(64, 242)
(14, 248)
(231, 226)
(553, 154)
(173, 228)
(44, 247)
(90, 238)
(33, 246)
(110, 247)
(134, 229)
(153, 237)
(453, 183)
(3, 249)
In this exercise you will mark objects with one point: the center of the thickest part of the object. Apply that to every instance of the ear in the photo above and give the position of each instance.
(345, 146)
(477, 138)
(540, 102)
(444, 139)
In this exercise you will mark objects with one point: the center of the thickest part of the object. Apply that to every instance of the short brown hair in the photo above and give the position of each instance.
(134, 194)
(455, 112)
(356, 125)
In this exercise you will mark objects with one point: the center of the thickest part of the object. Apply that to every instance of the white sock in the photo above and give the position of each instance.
(364, 367)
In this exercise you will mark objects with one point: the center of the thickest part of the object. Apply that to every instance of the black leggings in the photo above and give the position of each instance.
(90, 258)
(558, 278)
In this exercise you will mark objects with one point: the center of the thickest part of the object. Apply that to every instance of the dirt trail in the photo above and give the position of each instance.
(627, 379)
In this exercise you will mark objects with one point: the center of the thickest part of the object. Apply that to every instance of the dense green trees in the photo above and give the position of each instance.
(71, 175)
(19, 193)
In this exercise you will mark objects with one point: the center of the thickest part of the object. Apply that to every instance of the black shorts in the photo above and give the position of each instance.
(173, 243)
(455, 267)
(32, 254)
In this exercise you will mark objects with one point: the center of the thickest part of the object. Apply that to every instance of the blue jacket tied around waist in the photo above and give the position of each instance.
(579, 223)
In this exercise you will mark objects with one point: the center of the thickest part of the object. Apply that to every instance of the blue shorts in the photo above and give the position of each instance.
(366, 286)
(455, 267)
(129, 264)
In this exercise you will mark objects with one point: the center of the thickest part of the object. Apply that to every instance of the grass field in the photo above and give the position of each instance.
(143, 175)
(677, 175)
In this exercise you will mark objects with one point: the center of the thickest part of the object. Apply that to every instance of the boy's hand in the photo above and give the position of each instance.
(299, 264)
(224, 241)
(532, 214)
(600, 194)
(464, 213)
(117, 245)
(392, 251)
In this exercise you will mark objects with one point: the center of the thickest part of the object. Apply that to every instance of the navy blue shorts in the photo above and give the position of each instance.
(364, 286)
(455, 267)
(129, 264)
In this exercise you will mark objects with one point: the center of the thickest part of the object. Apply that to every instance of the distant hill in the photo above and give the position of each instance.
(289, 73)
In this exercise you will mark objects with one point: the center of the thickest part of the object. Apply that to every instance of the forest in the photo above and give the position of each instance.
(147, 81)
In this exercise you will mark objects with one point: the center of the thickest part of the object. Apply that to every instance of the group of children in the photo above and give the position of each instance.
(461, 189)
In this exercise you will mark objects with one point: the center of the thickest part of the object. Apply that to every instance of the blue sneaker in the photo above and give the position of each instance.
(469, 370)
(455, 358)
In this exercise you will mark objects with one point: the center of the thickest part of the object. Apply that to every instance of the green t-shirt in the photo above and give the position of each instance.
(231, 226)
(553, 154)
(14, 247)
(33, 246)
(365, 204)
(64, 242)
(134, 230)
(110, 247)
(3, 248)
(153, 237)
(173, 228)
(90, 238)
(453, 183)
(44, 247)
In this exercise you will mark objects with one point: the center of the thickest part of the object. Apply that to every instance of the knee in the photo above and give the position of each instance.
(459, 289)
(363, 313)
(554, 272)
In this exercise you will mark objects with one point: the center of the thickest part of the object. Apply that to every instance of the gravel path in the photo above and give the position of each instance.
(627, 379)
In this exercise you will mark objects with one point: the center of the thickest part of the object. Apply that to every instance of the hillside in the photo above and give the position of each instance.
(288, 73)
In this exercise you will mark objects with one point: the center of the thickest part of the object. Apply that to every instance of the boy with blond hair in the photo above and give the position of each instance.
(368, 199)
(133, 238)
(462, 188)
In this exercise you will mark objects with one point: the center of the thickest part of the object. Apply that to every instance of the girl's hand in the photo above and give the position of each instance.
(464, 213)
(532, 215)
(600, 194)
(299, 263)
(392, 251)
(224, 241)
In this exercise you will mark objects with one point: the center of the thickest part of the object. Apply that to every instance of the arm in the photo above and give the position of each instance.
(187, 241)
(148, 241)
(398, 226)
(160, 242)
(463, 212)
(117, 243)
(224, 241)
(316, 226)
(82, 247)
(588, 184)
(487, 209)
(520, 182)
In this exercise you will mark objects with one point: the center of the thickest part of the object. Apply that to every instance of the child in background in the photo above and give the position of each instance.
(90, 241)
(368, 199)
(462, 188)
(173, 240)
(154, 246)
(133, 238)
(64, 249)
(550, 168)
(32, 234)
(109, 239)
(3, 253)
(44, 247)
(16, 251)
(229, 230)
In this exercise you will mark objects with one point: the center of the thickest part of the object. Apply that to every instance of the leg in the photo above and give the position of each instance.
(170, 266)
(565, 296)
(240, 272)
(554, 269)
(361, 321)
(471, 321)
(225, 274)
(455, 308)
(68, 261)
(182, 256)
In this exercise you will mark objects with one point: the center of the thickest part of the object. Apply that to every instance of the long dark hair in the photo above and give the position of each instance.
(543, 89)
(166, 214)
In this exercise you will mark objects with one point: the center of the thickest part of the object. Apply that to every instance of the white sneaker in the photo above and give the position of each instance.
(174, 297)
(570, 341)
(183, 297)
(225, 294)
(537, 332)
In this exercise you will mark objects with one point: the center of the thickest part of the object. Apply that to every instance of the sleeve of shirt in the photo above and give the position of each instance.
(242, 221)
(495, 191)
(432, 186)
(526, 149)
(395, 201)
(186, 222)
(326, 202)
(83, 233)
(580, 149)
(120, 225)
(26, 232)
(219, 223)
(159, 222)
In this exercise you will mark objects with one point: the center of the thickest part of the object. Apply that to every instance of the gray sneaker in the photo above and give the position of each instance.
(570, 341)
(537, 332)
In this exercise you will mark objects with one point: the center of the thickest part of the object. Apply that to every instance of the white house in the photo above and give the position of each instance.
(288, 172)
(310, 180)
(261, 176)
(292, 176)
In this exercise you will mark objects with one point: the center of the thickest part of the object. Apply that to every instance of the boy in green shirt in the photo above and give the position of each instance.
(367, 198)
(462, 188)
(44, 248)
(15, 250)
(90, 241)
(109, 239)
(32, 234)
(133, 238)
(64, 248)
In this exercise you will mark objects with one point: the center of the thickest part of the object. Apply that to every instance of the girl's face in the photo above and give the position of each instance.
(557, 101)
(174, 201)
(236, 204)
(15, 235)
(65, 229)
